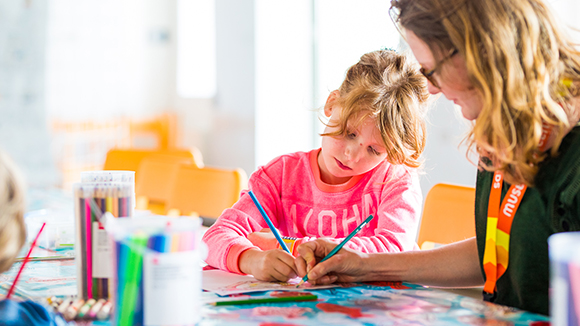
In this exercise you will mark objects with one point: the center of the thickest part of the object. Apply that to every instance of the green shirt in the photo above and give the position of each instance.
(551, 206)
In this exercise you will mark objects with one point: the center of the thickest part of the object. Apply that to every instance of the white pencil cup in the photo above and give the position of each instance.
(564, 249)
(157, 270)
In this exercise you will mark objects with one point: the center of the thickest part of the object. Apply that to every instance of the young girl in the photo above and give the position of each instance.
(12, 238)
(367, 165)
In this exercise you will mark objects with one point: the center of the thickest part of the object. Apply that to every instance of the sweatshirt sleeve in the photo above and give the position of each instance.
(398, 216)
(227, 238)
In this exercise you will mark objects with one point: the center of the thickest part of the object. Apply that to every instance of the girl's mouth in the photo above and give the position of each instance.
(342, 166)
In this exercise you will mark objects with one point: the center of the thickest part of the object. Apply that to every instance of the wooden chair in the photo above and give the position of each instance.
(205, 192)
(130, 158)
(157, 173)
(448, 215)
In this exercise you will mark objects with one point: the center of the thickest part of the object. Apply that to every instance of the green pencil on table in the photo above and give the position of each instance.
(259, 300)
(340, 245)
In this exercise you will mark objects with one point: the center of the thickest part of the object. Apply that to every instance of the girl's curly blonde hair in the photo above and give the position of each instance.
(389, 88)
(12, 206)
(521, 62)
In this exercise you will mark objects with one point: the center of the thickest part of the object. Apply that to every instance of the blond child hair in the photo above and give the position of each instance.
(389, 88)
(12, 207)
(520, 60)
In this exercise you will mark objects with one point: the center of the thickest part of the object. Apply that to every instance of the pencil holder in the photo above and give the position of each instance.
(157, 270)
(93, 247)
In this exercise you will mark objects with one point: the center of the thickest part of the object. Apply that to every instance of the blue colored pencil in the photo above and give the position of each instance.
(340, 245)
(270, 225)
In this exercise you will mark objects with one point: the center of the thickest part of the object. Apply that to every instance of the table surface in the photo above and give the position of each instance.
(376, 303)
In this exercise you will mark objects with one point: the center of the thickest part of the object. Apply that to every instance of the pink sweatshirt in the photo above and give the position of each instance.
(301, 205)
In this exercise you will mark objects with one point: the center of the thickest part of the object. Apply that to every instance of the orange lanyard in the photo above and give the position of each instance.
(499, 224)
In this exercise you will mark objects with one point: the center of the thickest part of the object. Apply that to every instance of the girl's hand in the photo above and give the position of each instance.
(271, 265)
(264, 239)
(345, 266)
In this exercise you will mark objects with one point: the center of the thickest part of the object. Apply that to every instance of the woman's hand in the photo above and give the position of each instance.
(345, 266)
(270, 265)
(264, 239)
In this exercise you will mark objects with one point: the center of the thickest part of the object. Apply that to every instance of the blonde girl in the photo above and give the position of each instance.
(12, 238)
(366, 165)
(12, 206)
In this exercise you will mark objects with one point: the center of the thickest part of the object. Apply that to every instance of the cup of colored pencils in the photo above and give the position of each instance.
(92, 200)
(157, 270)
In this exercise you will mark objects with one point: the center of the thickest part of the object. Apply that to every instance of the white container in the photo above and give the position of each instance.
(168, 268)
(58, 233)
(564, 249)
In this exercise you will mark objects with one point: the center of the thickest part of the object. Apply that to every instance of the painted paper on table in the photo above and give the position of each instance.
(224, 283)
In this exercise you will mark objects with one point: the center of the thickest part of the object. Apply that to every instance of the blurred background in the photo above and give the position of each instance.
(240, 80)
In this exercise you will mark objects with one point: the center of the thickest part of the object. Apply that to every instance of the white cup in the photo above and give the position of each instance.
(564, 249)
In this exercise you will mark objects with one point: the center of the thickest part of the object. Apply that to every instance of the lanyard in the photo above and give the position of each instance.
(499, 223)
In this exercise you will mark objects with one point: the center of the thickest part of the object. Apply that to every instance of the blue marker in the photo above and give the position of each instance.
(270, 225)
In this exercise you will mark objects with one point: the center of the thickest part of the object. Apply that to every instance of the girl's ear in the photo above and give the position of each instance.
(331, 102)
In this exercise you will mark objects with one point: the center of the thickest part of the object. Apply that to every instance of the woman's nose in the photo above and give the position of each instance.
(432, 89)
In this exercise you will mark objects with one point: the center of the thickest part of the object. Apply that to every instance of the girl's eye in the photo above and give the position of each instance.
(350, 135)
(373, 151)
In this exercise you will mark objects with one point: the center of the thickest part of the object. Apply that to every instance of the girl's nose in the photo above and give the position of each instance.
(353, 151)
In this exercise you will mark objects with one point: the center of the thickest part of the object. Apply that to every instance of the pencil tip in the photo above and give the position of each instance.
(301, 282)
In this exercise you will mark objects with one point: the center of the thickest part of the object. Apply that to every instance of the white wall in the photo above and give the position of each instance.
(284, 78)
(23, 130)
(96, 59)
(231, 140)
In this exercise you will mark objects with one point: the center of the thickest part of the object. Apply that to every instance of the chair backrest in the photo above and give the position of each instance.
(448, 215)
(130, 159)
(206, 191)
(157, 173)
(159, 132)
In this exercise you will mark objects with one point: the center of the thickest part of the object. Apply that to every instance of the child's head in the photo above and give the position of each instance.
(12, 206)
(376, 114)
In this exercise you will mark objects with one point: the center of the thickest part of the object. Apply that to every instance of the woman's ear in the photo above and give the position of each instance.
(331, 102)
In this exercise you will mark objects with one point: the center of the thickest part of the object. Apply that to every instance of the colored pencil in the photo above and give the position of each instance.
(269, 222)
(133, 273)
(24, 262)
(311, 297)
(89, 248)
(340, 245)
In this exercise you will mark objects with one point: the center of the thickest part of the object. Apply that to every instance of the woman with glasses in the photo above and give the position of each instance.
(516, 75)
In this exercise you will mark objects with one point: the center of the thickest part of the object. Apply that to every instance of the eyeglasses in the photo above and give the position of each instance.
(429, 74)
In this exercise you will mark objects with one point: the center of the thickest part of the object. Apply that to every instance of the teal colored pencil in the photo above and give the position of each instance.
(269, 222)
(340, 245)
(296, 298)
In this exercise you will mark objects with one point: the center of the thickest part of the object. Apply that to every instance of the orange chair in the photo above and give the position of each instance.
(448, 215)
(157, 173)
(205, 192)
(129, 158)
(160, 132)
